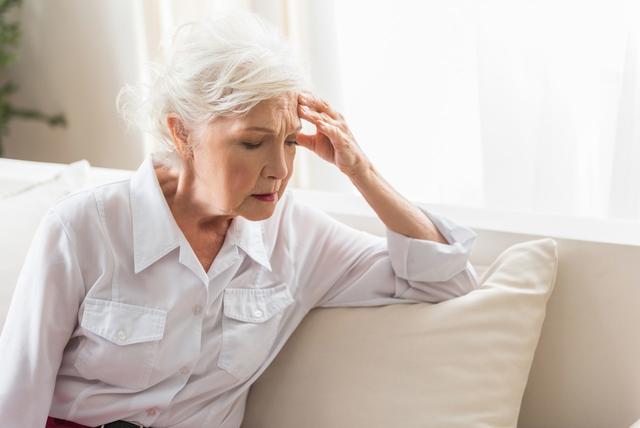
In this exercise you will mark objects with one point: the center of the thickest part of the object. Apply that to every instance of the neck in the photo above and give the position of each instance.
(188, 205)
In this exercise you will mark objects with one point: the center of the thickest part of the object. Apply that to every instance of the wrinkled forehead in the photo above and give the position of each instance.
(285, 101)
(279, 112)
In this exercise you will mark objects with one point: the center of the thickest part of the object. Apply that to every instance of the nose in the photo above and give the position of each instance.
(277, 164)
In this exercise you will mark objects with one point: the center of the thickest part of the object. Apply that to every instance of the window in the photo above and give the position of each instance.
(524, 106)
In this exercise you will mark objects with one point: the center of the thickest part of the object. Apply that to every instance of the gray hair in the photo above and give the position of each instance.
(220, 66)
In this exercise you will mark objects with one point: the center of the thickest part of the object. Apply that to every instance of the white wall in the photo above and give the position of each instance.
(75, 55)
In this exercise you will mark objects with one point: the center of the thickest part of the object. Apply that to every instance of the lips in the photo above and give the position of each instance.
(268, 197)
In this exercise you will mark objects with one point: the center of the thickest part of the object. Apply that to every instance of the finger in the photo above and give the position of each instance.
(321, 105)
(335, 134)
(313, 116)
(305, 140)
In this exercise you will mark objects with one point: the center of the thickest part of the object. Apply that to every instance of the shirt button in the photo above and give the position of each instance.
(196, 309)
(151, 412)
(184, 370)
(122, 335)
(257, 313)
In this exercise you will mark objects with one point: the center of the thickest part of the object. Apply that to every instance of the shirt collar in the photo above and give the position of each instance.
(156, 233)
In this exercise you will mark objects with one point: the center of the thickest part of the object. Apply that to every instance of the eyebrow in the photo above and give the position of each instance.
(270, 131)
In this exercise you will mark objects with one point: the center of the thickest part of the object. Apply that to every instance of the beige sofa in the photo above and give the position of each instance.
(585, 370)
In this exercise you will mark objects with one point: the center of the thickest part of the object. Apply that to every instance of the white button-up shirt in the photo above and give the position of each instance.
(113, 316)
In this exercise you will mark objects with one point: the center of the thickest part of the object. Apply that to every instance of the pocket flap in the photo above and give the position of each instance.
(256, 304)
(122, 323)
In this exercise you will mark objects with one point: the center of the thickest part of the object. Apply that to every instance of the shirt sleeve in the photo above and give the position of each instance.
(343, 266)
(434, 271)
(40, 321)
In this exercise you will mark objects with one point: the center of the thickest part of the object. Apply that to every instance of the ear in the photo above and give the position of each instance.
(179, 135)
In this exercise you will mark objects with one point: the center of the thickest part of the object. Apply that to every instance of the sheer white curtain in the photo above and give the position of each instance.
(515, 105)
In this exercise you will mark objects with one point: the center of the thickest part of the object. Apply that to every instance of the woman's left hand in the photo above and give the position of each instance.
(333, 140)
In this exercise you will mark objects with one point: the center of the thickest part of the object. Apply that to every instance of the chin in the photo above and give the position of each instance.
(258, 215)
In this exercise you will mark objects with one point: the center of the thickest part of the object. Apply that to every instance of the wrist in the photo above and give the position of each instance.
(362, 175)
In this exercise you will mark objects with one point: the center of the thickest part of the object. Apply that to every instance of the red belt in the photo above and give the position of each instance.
(61, 423)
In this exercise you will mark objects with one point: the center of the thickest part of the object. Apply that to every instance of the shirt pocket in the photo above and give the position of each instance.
(122, 342)
(250, 326)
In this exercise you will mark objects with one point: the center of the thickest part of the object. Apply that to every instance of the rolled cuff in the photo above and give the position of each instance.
(430, 261)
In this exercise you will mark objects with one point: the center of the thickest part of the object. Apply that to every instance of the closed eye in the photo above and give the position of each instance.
(252, 146)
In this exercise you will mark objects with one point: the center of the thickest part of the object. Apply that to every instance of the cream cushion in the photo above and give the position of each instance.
(459, 363)
(22, 206)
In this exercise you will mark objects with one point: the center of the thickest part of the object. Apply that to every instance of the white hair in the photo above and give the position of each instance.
(220, 66)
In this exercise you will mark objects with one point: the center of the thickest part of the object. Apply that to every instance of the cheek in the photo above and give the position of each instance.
(241, 175)
(227, 178)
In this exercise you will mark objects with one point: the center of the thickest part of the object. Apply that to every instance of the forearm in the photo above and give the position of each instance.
(396, 212)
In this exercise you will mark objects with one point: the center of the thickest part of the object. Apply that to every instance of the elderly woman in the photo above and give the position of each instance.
(159, 300)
